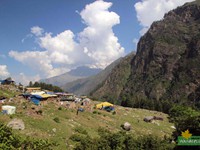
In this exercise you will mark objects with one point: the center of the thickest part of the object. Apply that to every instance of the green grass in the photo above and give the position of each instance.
(44, 126)
(6, 92)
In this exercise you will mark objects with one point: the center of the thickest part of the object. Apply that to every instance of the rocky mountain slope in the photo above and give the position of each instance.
(74, 74)
(165, 69)
(111, 88)
(87, 85)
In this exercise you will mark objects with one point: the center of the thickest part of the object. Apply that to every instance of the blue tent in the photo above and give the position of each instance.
(35, 100)
(37, 96)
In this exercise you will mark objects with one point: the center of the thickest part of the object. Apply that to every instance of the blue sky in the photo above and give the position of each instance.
(44, 38)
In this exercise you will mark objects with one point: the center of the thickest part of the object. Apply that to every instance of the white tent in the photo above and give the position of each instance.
(7, 109)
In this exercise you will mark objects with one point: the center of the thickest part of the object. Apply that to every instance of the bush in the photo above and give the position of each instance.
(94, 112)
(80, 130)
(119, 141)
(39, 112)
(10, 141)
(59, 108)
(57, 120)
(76, 138)
(114, 112)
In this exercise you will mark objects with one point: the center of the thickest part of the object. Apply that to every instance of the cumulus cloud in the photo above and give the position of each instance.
(4, 71)
(38, 60)
(59, 47)
(149, 11)
(98, 40)
(37, 31)
(97, 46)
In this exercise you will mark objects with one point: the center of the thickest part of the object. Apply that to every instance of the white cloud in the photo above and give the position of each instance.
(149, 11)
(98, 40)
(24, 79)
(59, 47)
(37, 31)
(38, 60)
(27, 36)
(135, 41)
(4, 71)
(97, 46)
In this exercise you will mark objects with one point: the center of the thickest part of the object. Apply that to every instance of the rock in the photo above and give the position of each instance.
(16, 124)
(127, 126)
(173, 127)
(148, 118)
(54, 130)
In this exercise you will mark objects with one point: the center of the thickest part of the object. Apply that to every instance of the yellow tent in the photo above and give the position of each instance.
(45, 95)
(103, 104)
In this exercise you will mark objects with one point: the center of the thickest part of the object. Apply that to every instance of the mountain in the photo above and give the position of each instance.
(84, 71)
(86, 85)
(165, 69)
(74, 74)
(111, 88)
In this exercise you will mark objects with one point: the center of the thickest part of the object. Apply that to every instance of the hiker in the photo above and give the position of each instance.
(77, 111)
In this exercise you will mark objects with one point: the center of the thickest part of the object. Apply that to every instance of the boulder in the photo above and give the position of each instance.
(16, 124)
(127, 126)
(148, 118)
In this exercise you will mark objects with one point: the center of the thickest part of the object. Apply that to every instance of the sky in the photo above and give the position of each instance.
(44, 38)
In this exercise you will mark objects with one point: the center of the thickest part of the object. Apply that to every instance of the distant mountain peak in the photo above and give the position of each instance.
(74, 74)
(84, 71)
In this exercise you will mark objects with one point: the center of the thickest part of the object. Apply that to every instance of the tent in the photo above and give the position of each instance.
(7, 109)
(35, 100)
(45, 95)
(37, 96)
(103, 105)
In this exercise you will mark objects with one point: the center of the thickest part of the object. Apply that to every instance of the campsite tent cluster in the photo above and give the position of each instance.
(41, 97)
(36, 95)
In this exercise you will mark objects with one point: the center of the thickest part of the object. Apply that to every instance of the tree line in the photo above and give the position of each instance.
(45, 86)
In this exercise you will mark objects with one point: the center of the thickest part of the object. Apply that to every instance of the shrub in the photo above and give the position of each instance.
(10, 141)
(114, 112)
(119, 141)
(59, 108)
(57, 120)
(94, 112)
(80, 130)
(39, 112)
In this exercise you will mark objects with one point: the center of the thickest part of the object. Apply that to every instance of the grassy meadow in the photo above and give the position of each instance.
(56, 122)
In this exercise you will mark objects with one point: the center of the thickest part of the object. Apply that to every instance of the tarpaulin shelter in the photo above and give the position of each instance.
(103, 105)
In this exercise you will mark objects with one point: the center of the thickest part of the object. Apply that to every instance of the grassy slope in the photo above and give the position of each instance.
(40, 126)
(6, 91)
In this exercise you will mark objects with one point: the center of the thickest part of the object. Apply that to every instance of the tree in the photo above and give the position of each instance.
(185, 118)
(30, 84)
